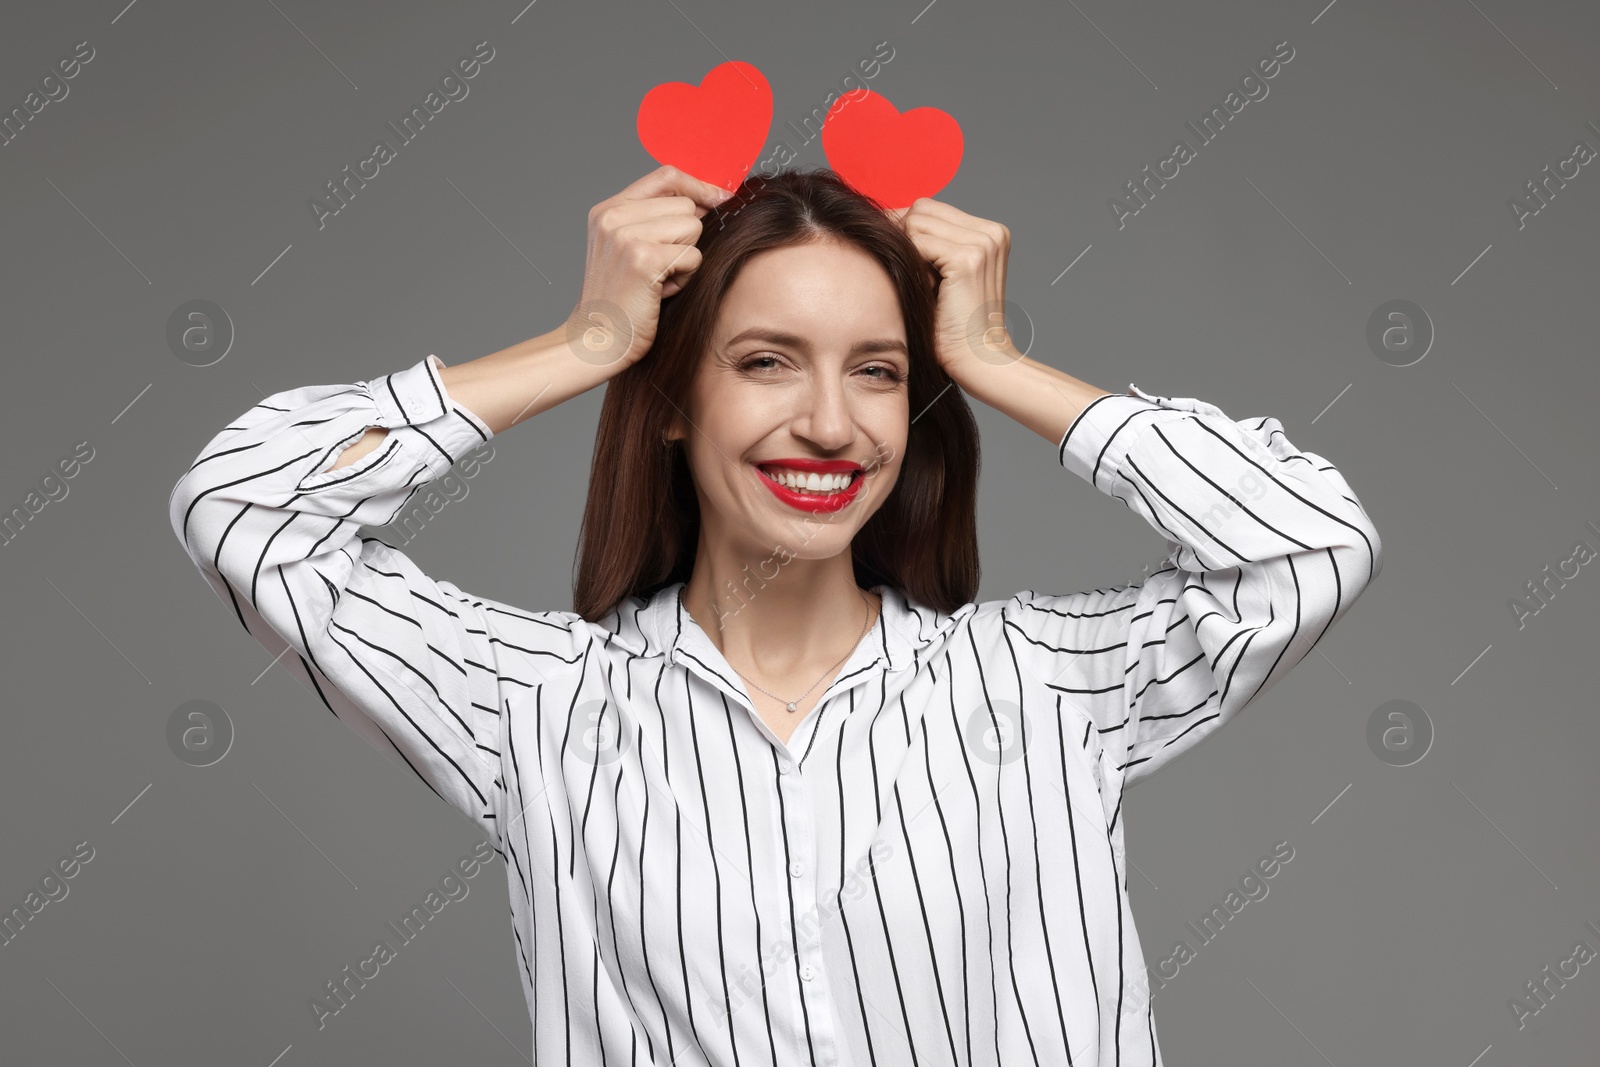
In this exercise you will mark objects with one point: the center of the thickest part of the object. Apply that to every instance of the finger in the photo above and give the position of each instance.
(948, 230)
(939, 209)
(938, 249)
(670, 230)
(626, 212)
(668, 180)
(669, 261)
(936, 209)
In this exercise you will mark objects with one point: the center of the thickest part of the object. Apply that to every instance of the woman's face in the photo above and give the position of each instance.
(805, 368)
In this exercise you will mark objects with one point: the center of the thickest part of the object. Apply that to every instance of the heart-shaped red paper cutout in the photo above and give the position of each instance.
(890, 156)
(713, 130)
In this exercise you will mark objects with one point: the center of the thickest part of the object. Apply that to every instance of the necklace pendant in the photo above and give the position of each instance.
(790, 705)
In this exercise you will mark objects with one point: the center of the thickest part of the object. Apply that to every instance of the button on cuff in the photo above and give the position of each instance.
(409, 397)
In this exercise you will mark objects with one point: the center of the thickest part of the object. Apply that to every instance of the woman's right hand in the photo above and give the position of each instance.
(641, 250)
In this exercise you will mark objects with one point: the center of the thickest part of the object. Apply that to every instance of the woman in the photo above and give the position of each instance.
(779, 791)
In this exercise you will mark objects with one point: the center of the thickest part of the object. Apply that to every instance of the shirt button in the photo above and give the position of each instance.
(784, 766)
(808, 972)
(796, 869)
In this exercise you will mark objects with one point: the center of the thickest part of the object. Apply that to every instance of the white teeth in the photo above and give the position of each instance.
(810, 481)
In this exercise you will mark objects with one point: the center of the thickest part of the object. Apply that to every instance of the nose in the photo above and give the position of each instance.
(825, 418)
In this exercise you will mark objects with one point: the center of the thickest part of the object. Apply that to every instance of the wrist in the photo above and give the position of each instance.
(974, 368)
(1035, 394)
(601, 334)
(518, 382)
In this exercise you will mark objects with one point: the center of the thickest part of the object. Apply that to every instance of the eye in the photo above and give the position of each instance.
(751, 362)
(889, 373)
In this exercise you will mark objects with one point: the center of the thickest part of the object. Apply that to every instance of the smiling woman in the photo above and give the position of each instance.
(917, 859)
(804, 336)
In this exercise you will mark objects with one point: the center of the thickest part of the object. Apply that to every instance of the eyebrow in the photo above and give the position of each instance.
(790, 340)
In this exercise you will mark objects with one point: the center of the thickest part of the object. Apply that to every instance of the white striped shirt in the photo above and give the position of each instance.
(930, 871)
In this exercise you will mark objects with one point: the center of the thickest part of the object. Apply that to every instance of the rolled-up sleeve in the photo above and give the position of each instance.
(416, 666)
(1268, 547)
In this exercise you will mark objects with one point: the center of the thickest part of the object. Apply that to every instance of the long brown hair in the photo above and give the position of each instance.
(642, 521)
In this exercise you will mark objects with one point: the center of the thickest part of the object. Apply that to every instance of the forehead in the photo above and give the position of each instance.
(823, 290)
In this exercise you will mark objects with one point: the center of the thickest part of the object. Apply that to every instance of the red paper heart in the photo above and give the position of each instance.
(713, 130)
(892, 157)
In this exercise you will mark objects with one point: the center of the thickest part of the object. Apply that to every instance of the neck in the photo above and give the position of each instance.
(809, 612)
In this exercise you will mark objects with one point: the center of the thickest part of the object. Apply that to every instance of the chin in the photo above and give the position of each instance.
(810, 539)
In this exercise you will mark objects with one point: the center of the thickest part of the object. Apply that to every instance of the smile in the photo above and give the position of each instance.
(812, 485)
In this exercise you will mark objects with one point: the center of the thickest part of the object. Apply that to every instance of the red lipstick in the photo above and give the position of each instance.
(814, 502)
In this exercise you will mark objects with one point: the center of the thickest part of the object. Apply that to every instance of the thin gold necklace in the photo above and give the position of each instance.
(792, 705)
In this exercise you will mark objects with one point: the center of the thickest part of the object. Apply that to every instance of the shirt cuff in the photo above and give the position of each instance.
(1094, 445)
(425, 425)
(416, 395)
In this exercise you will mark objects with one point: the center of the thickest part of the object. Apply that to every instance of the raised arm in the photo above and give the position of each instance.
(271, 510)
(413, 664)
(1268, 547)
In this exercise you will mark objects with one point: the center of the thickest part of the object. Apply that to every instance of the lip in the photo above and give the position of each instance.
(813, 502)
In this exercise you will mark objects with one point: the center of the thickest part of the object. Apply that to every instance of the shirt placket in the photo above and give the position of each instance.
(813, 978)
(708, 664)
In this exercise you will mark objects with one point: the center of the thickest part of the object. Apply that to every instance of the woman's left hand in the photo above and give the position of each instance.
(970, 255)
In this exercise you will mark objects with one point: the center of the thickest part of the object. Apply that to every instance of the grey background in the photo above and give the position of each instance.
(1420, 899)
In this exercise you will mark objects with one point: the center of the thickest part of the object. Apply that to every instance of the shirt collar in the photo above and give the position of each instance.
(902, 630)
